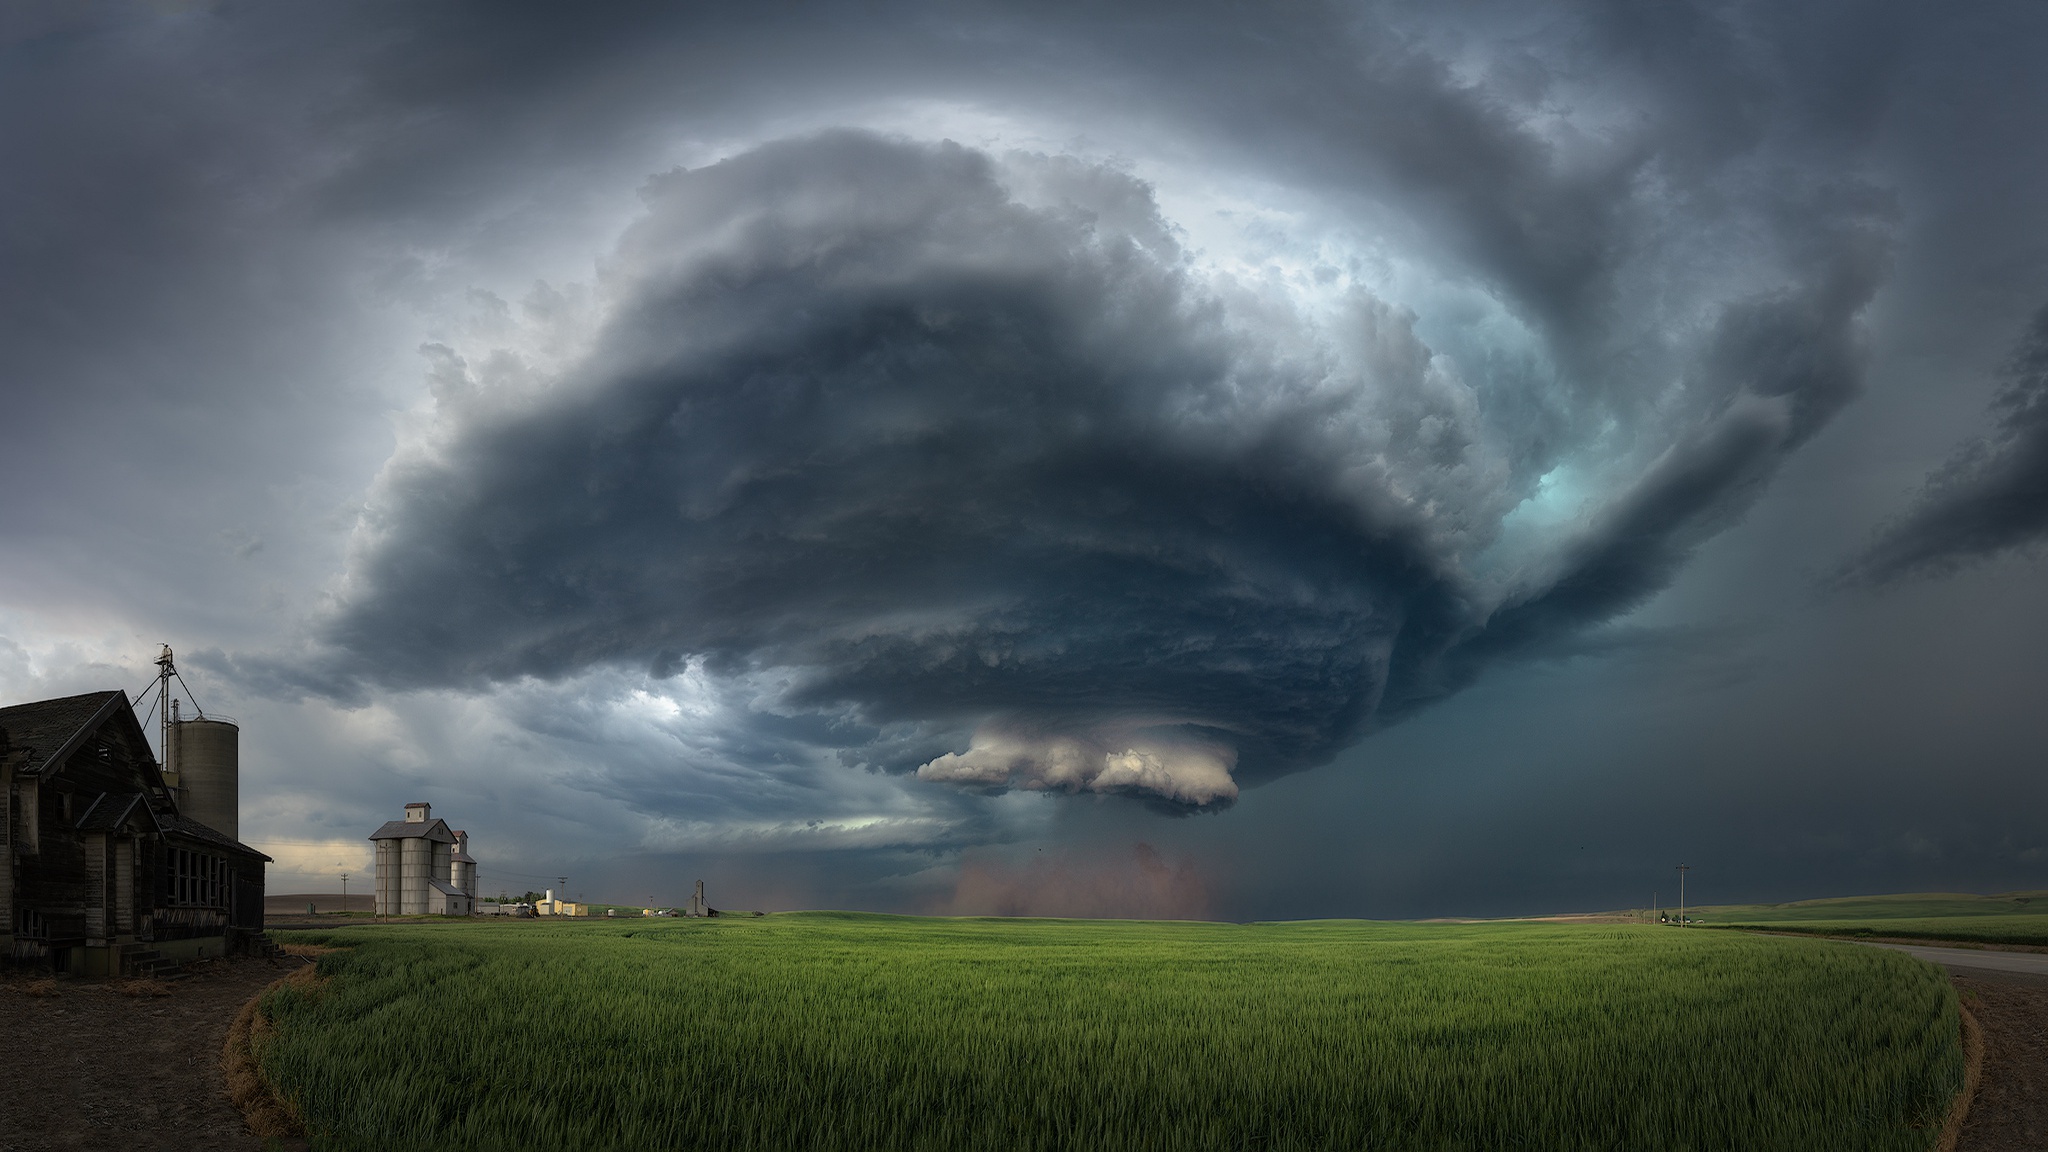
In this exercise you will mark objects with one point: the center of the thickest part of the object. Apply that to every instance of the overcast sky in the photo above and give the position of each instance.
(1244, 461)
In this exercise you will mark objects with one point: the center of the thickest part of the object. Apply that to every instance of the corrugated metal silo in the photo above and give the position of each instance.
(387, 877)
(206, 754)
(416, 864)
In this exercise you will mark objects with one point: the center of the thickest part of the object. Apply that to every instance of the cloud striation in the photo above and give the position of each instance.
(971, 443)
(1990, 498)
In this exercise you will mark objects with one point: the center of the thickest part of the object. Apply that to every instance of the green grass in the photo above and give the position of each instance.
(2011, 918)
(830, 1031)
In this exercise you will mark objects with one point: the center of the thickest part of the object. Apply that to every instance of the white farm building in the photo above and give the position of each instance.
(423, 869)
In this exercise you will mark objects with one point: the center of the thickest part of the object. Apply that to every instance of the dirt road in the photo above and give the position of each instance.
(126, 1065)
(2008, 993)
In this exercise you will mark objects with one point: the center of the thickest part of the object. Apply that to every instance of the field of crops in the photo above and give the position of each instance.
(2011, 918)
(833, 1031)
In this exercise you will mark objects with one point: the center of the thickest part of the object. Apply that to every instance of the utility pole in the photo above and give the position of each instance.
(1682, 870)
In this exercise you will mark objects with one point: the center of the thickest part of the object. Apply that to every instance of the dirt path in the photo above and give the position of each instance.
(122, 1065)
(2010, 1113)
(2007, 991)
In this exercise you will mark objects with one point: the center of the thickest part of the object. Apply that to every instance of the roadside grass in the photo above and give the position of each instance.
(843, 1031)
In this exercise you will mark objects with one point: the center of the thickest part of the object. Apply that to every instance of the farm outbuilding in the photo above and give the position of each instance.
(423, 867)
(106, 865)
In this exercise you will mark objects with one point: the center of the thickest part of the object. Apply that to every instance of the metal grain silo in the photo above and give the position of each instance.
(205, 753)
(416, 864)
(388, 854)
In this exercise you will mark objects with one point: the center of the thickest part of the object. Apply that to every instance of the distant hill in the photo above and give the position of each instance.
(2014, 918)
(295, 903)
(1901, 906)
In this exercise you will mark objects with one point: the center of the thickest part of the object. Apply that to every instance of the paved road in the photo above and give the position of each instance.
(2032, 963)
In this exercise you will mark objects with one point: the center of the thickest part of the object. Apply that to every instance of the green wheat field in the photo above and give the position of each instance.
(845, 1031)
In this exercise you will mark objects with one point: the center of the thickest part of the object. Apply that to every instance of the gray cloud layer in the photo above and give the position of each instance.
(1992, 495)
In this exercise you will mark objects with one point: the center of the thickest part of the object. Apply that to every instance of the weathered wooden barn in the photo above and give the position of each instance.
(104, 872)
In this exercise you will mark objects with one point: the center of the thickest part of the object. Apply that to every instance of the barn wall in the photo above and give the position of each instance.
(6, 858)
(28, 803)
(93, 852)
(53, 880)
(124, 879)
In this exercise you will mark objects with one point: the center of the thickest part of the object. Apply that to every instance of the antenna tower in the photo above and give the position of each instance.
(165, 669)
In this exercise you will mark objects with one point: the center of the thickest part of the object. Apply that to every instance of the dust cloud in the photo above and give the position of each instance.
(1142, 885)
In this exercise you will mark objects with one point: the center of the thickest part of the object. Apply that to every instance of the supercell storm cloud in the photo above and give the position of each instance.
(973, 441)
(852, 452)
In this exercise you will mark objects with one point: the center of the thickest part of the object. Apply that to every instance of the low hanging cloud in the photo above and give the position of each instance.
(969, 445)
(1122, 756)
(1990, 498)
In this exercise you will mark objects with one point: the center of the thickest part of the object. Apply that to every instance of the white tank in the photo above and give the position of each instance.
(206, 756)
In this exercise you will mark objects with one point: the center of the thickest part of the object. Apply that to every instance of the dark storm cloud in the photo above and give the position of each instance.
(1992, 495)
(1787, 362)
(863, 413)
(1609, 270)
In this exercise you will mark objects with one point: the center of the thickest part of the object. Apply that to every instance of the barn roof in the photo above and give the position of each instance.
(436, 830)
(110, 810)
(194, 830)
(50, 730)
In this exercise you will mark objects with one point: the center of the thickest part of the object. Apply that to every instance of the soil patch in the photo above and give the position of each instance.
(132, 1065)
(2010, 1113)
(267, 1116)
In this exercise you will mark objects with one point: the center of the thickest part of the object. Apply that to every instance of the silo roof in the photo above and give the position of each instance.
(410, 829)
